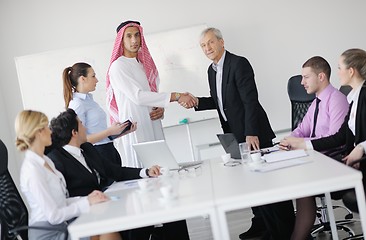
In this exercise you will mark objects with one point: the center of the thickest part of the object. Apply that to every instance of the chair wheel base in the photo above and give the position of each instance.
(325, 227)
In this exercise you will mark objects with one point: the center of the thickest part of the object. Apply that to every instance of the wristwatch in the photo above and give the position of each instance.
(147, 172)
(177, 96)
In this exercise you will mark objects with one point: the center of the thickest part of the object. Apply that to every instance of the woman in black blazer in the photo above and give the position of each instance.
(352, 134)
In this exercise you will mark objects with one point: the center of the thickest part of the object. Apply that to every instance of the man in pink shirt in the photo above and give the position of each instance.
(332, 107)
(320, 121)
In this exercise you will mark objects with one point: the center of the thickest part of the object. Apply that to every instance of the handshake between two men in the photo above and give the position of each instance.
(187, 100)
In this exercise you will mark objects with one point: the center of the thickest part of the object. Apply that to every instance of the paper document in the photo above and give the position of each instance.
(267, 167)
(122, 185)
(284, 155)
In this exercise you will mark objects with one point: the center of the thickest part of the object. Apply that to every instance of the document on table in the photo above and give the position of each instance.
(284, 155)
(122, 185)
(267, 167)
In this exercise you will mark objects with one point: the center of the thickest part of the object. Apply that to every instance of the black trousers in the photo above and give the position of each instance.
(279, 219)
(109, 152)
(174, 230)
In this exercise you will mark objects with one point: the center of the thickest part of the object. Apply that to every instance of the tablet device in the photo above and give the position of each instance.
(128, 127)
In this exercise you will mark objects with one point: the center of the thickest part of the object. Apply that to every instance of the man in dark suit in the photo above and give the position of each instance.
(86, 170)
(233, 93)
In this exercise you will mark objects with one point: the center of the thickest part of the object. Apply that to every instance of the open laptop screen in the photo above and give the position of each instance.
(229, 143)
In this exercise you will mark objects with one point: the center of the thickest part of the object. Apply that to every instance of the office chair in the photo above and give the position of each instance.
(300, 102)
(345, 89)
(350, 200)
(13, 212)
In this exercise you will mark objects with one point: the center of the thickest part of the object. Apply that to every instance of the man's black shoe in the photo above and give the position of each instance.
(256, 230)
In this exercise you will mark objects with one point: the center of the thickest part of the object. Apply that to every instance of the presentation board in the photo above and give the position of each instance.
(180, 61)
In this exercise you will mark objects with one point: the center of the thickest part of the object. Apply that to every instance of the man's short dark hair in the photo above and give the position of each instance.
(62, 126)
(318, 65)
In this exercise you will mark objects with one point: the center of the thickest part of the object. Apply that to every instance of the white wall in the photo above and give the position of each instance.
(276, 36)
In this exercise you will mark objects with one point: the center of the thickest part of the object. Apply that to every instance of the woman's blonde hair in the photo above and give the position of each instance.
(27, 123)
(355, 58)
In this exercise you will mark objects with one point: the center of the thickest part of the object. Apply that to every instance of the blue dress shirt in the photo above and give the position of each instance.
(90, 113)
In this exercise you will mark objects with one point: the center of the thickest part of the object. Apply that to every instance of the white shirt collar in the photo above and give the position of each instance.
(40, 160)
(73, 150)
(353, 95)
(220, 64)
(82, 95)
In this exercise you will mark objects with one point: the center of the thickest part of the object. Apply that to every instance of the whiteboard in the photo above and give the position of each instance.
(181, 64)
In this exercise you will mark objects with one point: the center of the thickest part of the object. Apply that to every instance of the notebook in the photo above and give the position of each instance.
(158, 153)
(229, 143)
(284, 155)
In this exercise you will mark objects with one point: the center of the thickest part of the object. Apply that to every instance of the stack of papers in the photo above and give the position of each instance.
(284, 155)
(267, 167)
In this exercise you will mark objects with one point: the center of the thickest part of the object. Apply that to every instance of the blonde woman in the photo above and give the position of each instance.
(42, 185)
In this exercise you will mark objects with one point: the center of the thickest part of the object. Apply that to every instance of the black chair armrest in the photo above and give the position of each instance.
(335, 152)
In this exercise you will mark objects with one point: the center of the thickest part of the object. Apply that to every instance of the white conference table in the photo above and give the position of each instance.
(217, 190)
(134, 209)
(238, 187)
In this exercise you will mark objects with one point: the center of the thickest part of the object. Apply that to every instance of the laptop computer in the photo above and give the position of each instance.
(230, 145)
(158, 153)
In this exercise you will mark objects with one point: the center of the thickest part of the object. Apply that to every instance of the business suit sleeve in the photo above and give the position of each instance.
(244, 80)
(54, 156)
(119, 173)
(111, 170)
(205, 103)
(333, 141)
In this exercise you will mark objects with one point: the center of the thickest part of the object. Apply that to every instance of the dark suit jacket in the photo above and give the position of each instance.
(345, 136)
(245, 115)
(80, 181)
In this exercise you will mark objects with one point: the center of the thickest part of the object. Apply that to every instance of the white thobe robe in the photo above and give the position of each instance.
(135, 101)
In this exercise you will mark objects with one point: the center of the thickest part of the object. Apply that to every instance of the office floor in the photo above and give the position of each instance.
(239, 221)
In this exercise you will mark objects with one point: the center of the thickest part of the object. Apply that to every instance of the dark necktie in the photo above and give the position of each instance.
(316, 112)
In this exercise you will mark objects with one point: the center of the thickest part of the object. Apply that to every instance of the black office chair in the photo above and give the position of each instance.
(350, 200)
(13, 212)
(345, 89)
(300, 102)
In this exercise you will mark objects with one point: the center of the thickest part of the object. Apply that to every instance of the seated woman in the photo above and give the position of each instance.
(42, 185)
(352, 134)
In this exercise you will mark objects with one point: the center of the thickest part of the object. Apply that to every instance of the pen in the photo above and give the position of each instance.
(269, 151)
(131, 182)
